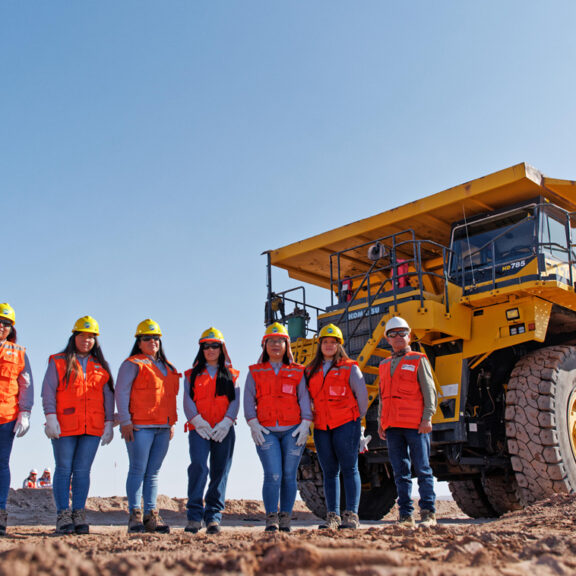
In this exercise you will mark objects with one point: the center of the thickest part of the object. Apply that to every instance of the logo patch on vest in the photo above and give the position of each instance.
(408, 367)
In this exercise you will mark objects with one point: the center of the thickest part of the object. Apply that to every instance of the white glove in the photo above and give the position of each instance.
(52, 428)
(364, 441)
(108, 433)
(301, 433)
(220, 431)
(22, 424)
(258, 431)
(202, 427)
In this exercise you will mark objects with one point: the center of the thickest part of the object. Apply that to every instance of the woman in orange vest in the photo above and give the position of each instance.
(146, 400)
(340, 401)
(211, 402)
(277, 409)
(16, 401)
(78, 401)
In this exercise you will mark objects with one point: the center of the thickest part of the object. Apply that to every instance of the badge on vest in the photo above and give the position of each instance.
(409, 367)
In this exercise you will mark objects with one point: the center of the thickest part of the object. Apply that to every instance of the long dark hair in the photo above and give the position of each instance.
(285, 358)
(72, 365)
(318, 360)
(12, 336)
(224, 380)
(161, 356)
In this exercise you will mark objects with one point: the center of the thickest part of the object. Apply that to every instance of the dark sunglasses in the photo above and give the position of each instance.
(211, 346)
(5, 322)
(148, 338)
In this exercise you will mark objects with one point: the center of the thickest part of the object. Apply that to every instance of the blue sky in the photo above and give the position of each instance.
(151, 151)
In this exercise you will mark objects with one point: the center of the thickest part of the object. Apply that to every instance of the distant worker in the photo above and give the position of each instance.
(45, 481)
(16, 400)
(211, 403)
(407, 403)
(78, 401)
(340, 401)
(146, 400)
(31, 480)
(277, 409)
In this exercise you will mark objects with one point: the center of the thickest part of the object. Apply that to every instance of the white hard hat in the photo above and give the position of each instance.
(33, 471)
(396, 323)
(47, 470)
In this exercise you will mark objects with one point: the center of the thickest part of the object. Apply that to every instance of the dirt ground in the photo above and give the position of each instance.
(538, 541)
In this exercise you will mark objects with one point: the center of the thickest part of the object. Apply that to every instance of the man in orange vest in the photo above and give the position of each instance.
(407, 403)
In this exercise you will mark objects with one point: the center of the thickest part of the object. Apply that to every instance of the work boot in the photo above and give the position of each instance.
(135, 525)
(271, 523)
(350, 521)
(154, 523)
(213, 527)
(80, 524)
(284, 521)
(427, 519)
(64, 522)
(3, 522)
(193, 526)
(333, 522)
(406, 521)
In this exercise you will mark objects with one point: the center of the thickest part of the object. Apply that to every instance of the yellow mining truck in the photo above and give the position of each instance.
(484, 273)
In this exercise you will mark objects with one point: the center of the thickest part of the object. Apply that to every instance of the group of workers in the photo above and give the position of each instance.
(282, 399)
(32, 480)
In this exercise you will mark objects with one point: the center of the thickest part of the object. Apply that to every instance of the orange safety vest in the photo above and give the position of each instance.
(80, 402)
(277, 394)
(402, 403)
(211, 407)
(153, 395)
(12, 362)
(333, 399)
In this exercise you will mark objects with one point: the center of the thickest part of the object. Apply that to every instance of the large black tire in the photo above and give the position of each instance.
(472, 498)
(541, 422)
(502, 493)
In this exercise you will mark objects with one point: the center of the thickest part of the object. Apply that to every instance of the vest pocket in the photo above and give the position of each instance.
(336, 391)
(68, 420)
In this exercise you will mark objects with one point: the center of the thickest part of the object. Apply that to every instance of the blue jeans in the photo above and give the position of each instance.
(407, 448)
(280, 458)
(337, 450)
(220, 461)
(146, 454)
(73, 456)
(6, 441)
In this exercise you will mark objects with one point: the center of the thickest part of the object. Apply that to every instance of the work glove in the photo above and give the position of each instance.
(258, 431)
(220, 431)
(22, 424)
(202, 427)
(301, 433)
(52, 428)
(108, 433)
(364, 441)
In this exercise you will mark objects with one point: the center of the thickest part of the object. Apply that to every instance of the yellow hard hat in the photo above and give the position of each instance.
(148, 326)
(331, 331)
(6, 311)
(87, 324)
(212, 335)
(276, 329)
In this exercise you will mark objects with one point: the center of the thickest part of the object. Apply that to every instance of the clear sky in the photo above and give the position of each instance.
(150, 151)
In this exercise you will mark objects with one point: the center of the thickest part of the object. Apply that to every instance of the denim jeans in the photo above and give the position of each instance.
(337, 450)
(406, 449)
(73, 456)
(6, 441)
(280, 458)
(146, 454)
(220, 454)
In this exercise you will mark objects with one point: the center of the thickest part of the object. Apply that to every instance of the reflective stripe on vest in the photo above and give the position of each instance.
(277, 394)
(12, 363)
(153, 395)
(333, 399)
(402, 403)
(80, 402)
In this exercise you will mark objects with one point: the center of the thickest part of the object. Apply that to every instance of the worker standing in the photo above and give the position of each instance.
(211, 403)
(78, 402)
(17, 400)
(407, 403)
(340, 401)
(146, 393)
(31, 480)
(277, 409)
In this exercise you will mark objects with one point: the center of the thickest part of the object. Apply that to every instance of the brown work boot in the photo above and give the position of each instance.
(333, 522)
(427, 519)
(406, 521)
(213, 527)
(64, 523)
(154, 523)
(80, 524)
(135, 525)
(3, 522)
(284, 521)
(350, 521)
(193, 526)
(271, 523)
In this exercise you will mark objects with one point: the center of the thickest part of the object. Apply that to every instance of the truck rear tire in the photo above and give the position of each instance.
(472, 498)
(502, 493)
(541, 422)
